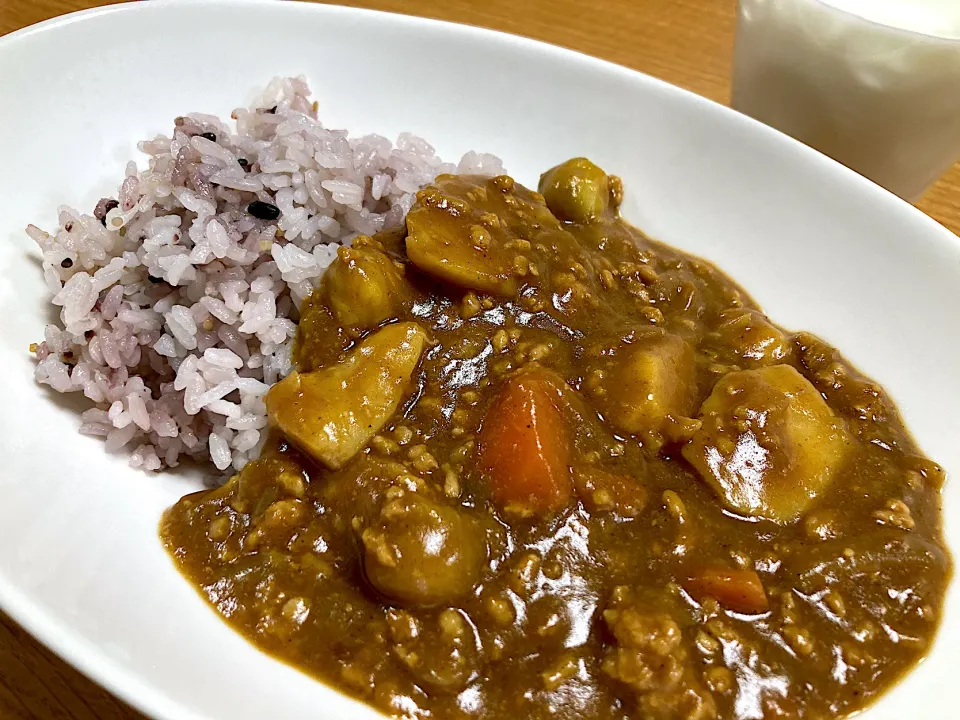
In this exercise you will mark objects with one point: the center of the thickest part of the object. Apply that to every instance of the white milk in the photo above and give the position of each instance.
(874, 84)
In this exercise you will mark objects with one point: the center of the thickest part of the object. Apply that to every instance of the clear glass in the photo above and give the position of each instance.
(882, 100)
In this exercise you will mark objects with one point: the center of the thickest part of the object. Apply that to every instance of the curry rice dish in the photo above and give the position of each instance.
(532, 463)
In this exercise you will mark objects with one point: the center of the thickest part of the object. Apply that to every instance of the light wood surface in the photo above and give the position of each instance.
(686, 42)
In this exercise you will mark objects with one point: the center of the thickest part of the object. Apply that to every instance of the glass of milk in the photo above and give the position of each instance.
(874, 84)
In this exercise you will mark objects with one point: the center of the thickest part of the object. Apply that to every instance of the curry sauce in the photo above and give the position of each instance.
(535, 464)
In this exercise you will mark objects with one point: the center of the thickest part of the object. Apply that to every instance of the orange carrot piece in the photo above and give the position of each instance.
(524, 447)
(738, 590)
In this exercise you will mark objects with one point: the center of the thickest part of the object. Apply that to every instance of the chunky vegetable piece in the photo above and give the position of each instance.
(753, 338)
(738, 590)
(364, 286)
(576, 190)
(333, 412)
(448, 239)
(524, 447)
(645, 381)
(769, 445)
(420, 553)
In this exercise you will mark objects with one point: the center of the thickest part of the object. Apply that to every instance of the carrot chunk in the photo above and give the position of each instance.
(524, 446)
(738, 590)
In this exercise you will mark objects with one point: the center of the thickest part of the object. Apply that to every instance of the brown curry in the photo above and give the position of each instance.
(534, 464)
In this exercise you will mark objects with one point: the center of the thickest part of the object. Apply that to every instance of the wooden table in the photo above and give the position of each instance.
(686, 42)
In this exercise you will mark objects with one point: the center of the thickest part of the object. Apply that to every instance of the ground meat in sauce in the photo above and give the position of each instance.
(534, 464)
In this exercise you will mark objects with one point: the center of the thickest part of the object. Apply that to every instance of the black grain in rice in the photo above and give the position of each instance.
(263, 210)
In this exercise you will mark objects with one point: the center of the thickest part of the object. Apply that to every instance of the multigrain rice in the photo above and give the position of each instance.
(179, 301)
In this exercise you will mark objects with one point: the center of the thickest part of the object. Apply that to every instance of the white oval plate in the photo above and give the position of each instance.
(819, 247)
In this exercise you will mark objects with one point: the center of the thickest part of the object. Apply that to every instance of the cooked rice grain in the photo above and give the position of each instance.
(179, 302)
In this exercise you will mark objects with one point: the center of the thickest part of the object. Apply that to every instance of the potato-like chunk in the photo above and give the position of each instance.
(332, 413)
(364, 286)
(646, 381)
(576, 190)
(446, 238)
(769, 445)
(753, 340)
(420, 553)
